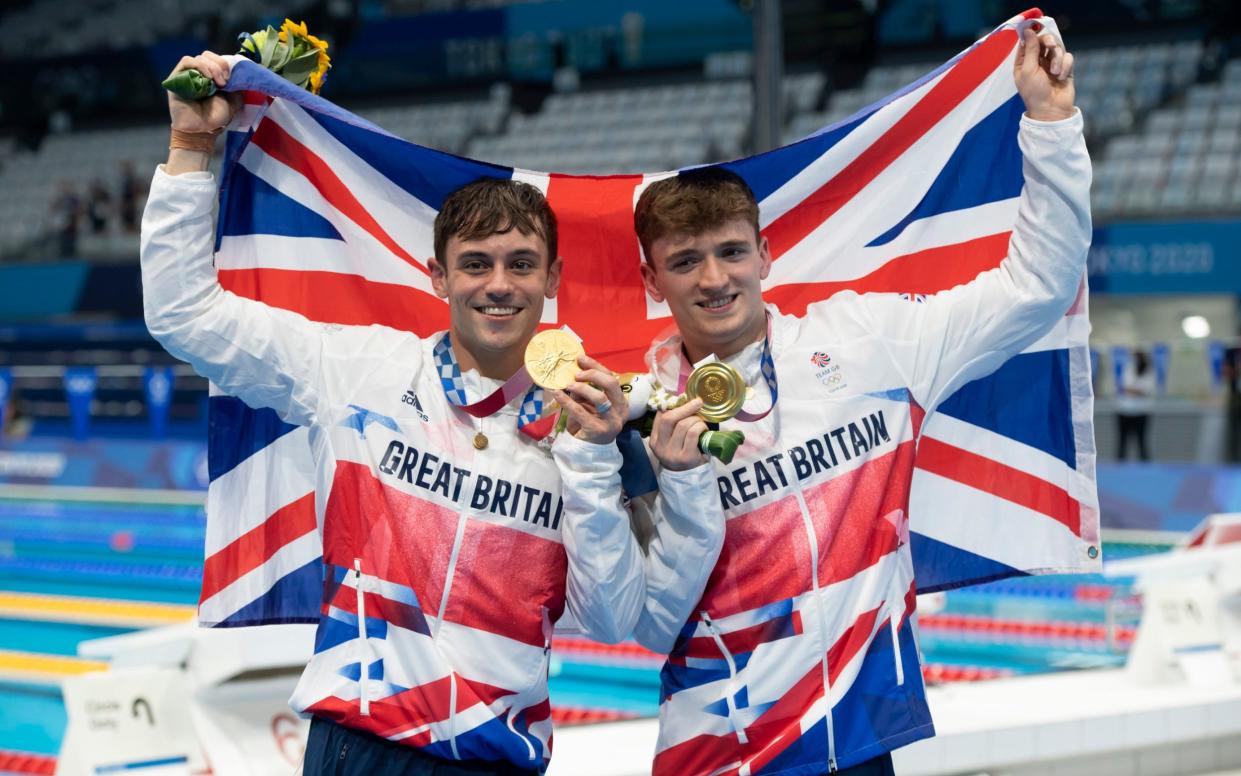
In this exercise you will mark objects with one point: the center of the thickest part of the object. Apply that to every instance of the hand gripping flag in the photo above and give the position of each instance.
(328, 215)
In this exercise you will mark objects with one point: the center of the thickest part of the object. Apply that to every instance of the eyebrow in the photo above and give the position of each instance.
(732, 244)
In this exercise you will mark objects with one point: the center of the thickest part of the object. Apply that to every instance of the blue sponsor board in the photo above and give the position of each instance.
(1201, 257)
(1165, 497)
(104, 463)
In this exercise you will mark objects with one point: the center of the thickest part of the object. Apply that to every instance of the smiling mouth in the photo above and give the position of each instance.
(498, 311)
(718, 303)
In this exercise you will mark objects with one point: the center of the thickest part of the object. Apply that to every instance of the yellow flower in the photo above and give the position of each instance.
(320, 72)
(291, 28)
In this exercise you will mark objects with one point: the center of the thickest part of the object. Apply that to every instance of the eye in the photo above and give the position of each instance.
(684, 264)
(474, 266)
(523, 265)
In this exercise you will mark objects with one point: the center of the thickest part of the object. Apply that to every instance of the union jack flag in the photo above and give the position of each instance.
(323, 213)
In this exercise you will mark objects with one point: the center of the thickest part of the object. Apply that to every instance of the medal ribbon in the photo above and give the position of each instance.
(767, 366)
(530, 420)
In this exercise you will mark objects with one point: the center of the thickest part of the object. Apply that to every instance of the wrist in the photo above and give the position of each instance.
(181, 160)
(1049, 114)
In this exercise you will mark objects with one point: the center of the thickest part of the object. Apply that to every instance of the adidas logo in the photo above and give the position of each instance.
(411, 399)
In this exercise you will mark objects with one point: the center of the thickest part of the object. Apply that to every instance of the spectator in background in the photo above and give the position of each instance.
(1232, 384)
(129, 194)
(66, 212)
(16, 423)
(1134, 404)
(98, 206)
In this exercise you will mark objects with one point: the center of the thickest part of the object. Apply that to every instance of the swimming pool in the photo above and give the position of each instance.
(141, 563)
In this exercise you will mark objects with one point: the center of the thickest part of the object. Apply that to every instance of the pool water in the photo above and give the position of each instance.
(153, 553)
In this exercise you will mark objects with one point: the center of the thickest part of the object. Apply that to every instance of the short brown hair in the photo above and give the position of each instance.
(490, 206)
(691, 203)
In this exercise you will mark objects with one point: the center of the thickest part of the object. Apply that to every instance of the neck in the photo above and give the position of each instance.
(494, 366)
(698, 350)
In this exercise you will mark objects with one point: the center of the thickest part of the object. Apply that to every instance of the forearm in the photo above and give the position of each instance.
(605, 586)
(1052, 232)
(266, 357)
(688, 536)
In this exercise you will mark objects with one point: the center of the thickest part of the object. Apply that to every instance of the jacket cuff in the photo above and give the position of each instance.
(578, 455)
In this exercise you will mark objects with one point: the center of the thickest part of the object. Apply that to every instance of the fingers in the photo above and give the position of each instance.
(686, 432)
(686, 410)
(586, 394)
(209, 64)
(669, 421)
(1053, 52)
(578, 414)
(1027, 55)
(1066, 68)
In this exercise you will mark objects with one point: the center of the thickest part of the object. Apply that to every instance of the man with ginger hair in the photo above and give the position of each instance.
(801, 657)
(452, 540)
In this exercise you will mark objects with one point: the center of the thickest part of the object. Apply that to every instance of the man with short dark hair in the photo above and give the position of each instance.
(452, 542)
(801, 657)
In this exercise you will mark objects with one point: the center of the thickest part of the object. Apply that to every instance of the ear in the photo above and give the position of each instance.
(553, 278)
(764, 258)
(650, 282)
(439, 280)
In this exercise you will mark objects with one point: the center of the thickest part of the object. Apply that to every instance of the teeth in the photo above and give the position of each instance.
(499, 310)
(719, 302)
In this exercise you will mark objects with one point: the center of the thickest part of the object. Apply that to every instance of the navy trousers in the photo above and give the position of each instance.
(335, 750)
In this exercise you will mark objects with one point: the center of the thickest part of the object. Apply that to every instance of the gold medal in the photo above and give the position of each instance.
(551, 358)
(721, 389)
(480, 441)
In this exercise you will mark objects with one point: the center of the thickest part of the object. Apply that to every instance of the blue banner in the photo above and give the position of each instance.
(1094, 366)
(1161, 355)
(6, 388)
(157, 385)
(1120, 359)
(1215, 356)
(80, 382)
(1166, 258)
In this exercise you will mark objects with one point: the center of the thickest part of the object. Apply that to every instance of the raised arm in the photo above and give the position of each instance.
(966, 332)
(265, 356)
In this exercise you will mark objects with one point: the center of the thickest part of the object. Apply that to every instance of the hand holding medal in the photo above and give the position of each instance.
(592, 405)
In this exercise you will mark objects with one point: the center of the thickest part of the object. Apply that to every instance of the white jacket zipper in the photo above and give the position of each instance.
(814, 581)
(439, 620)
(896, 610)
(364, 696)
(730, 693)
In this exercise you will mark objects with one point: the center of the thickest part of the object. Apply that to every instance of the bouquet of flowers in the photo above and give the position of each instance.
(291, 52)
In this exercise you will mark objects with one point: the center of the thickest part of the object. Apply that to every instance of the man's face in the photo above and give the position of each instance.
(712, 283)
(495, 287)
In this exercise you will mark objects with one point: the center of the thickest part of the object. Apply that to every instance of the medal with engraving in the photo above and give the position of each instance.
(551, 358)
(721, 388)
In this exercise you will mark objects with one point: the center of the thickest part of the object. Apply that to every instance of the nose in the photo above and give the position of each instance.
(499, 284)
(712, 276)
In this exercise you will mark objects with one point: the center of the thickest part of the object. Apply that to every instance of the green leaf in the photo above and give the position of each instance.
(270, 39)
(190, 85)
(281, 58)
(298, 70)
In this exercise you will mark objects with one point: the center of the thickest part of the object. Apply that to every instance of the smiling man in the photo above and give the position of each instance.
(800, 658)
(452, 540)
